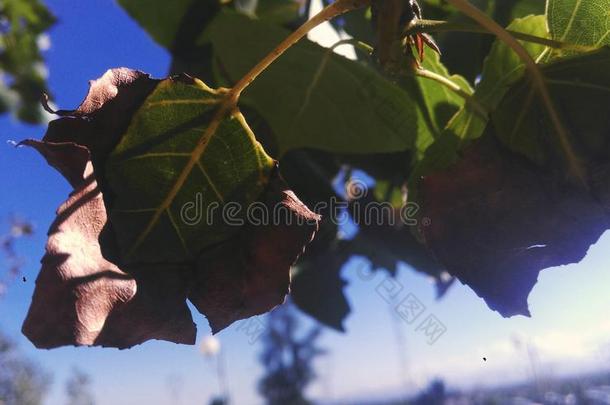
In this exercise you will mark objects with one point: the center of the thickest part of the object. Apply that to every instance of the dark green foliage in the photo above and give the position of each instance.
(497, 182)
(465, 53)
(23, 24)
(431, 132)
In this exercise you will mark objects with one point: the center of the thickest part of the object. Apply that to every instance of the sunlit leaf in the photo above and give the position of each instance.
(581, 22)
(465, 53)
(580, 87)
(502, 68)
(345, 108)
(88, 275)
(174, 155)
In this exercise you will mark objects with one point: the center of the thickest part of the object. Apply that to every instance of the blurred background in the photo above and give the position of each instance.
(457, 351)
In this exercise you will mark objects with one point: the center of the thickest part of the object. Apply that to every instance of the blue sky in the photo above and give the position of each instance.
(569, 330)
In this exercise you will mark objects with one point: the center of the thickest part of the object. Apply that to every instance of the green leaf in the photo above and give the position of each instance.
(580, 88)
(338, 105)
(278, 11)
(508, 10)
(176, 154)
(439, 103)
(171, 22)
(465, 53)
(581, 22)
(502, 69)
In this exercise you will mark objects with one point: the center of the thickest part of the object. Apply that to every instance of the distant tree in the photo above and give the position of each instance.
(288, 358)
(78, 389)
(434, 394)
(218, 401)
(22, 382)
(13, 262)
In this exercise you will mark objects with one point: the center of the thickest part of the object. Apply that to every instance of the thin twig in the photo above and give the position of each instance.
(454, 87)
(448, 26)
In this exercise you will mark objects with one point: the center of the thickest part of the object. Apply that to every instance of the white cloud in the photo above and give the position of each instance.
(517, 356)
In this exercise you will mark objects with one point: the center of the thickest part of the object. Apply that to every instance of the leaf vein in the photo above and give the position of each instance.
(210, 182)
(177, 229)
(580, 84)
(572, 18)
(158, 155)
(208, 101)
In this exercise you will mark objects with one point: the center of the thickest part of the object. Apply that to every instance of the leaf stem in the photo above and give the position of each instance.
(328, 13)
(448, 26)
(538, 79)
(478, 107)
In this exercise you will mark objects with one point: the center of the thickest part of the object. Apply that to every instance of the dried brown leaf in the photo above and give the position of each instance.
(496, 221)
(85, 296)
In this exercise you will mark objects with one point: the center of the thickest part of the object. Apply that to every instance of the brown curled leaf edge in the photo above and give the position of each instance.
(83, 298)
